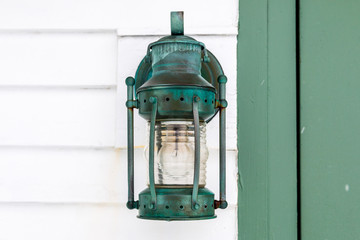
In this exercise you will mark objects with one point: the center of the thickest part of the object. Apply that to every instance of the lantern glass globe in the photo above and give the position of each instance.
(174, 154)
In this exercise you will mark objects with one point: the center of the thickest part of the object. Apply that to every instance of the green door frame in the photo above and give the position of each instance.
(330, 116)
(267, 120)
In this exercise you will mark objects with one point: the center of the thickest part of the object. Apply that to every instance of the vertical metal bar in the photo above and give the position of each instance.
(222, 132)
(152, 100)
(130, 82)
(195, 192)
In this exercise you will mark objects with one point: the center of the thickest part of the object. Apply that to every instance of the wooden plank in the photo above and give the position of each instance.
(58, 58)
(267, 120)
(281, 117)
(62, 175)
(57, 117)
(137, 17)
(85, 175)
(330, 116)
(20, 221)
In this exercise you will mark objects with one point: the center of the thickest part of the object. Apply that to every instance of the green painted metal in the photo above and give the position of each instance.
(176, 204)
(177, 23)
(169, 85)
(130, 82)
(267, 120)
(175, 103)
(176, 79)
(210, 71)
(330, 117)
(222, 130)
(153, 101)
(194, 197)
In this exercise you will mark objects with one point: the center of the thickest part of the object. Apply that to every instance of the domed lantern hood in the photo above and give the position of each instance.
(174, 70)
(176, 60)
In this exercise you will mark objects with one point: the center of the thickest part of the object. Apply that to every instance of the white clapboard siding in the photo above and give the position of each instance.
(82, 175)
(110, 222)
(60, 175)
(133, 49)
(63, 156)
(44, 58)
(129, 17)
(57, 116)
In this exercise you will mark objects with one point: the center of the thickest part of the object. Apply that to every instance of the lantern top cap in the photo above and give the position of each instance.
(177, 32)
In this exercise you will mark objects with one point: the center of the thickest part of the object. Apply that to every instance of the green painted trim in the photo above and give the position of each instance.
(267, 120)
(330, 117)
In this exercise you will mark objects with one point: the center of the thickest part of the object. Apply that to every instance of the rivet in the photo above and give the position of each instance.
(152, 99)
(196, 99)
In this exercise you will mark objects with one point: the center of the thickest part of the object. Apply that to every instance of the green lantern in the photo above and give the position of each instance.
(179, 86)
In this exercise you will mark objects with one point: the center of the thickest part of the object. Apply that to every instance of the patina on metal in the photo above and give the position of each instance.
(178, 79)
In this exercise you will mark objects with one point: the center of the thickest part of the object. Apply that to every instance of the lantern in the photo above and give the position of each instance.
(179, 87)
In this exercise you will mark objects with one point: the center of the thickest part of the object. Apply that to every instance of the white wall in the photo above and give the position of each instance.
(63, 120)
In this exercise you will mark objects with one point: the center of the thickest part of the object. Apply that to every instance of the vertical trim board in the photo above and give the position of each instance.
(267, 120)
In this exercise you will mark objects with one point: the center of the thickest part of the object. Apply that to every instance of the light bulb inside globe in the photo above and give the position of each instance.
(174, 154)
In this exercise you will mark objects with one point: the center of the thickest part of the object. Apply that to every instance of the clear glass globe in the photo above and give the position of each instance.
(174, 153)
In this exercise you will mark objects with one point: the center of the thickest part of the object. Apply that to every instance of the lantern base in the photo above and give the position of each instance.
(175, 204)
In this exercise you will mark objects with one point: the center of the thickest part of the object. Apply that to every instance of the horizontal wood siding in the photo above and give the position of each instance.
(63, 156)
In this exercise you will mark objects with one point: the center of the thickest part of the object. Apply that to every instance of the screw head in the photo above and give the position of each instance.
(152, 99)
(196, 206)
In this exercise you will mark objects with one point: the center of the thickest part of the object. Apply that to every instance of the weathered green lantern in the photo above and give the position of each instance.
(179, 86)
